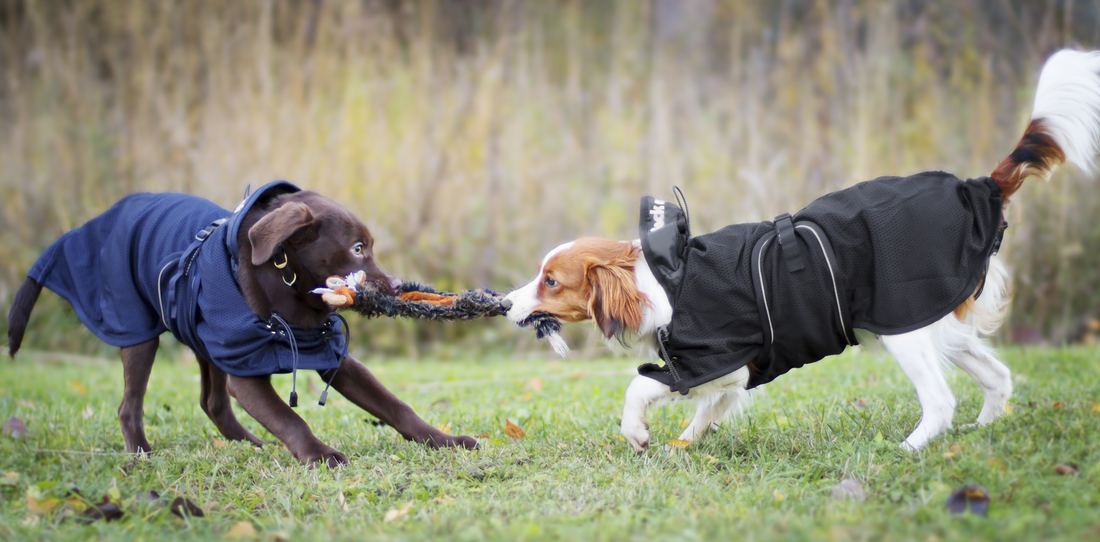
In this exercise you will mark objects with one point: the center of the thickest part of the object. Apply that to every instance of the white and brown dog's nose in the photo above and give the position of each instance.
(506, 303)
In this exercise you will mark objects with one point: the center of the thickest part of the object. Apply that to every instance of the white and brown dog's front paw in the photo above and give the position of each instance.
(636, 433)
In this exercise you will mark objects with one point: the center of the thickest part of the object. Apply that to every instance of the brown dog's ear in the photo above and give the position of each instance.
(615, 302)
(291, 222)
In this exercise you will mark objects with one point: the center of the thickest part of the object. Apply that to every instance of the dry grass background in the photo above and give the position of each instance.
(474, 135)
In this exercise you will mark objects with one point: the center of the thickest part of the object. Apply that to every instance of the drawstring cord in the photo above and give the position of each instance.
(682, 200)
(662, 337)
(294, 359)
(347, 348)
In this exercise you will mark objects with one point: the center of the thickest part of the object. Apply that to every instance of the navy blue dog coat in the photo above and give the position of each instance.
(889, 255)
(168, 262)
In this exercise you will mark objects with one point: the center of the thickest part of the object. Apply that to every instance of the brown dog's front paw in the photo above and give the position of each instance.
(324, 454)
(447, 441)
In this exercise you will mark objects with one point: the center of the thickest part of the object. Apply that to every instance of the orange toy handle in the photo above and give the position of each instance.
(431, 299)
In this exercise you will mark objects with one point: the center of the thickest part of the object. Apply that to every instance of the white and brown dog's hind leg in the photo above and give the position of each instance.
(993, 376)
(976, 357)
(715, 407)
(919, 356)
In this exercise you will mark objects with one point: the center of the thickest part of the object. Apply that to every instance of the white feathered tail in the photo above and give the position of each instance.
(1065, 122)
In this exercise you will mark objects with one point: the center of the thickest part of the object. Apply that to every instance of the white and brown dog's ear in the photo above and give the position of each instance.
(290, 223)
(615, 303)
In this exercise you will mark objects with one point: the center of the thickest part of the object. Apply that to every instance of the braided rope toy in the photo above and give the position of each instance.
(422, 302)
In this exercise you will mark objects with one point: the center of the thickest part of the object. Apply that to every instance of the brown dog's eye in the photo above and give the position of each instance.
(357, 249)
(550, 282)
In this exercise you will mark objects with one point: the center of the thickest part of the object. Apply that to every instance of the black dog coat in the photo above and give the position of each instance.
(168, 262)
(889, 255)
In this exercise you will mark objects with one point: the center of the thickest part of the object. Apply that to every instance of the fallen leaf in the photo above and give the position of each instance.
(513, 430)
(974, 499)
(394, 514)
(677, 443)
(1096, 408)
(535, 385)
(483, 435)
(106, 510)
(446, 428)
(88, 412)
(954, 450)
(218, 443)
(242, 529)
(526, 396)
(685, 422)
(849, 488)
(41, 506)
(15, 427)
(112, 495)
(1059, 404)
(78, 387)
(9, 478)
(183, 507)
(1067, 469)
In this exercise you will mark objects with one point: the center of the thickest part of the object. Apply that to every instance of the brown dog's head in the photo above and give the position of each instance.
(290, 243)
(585, 279)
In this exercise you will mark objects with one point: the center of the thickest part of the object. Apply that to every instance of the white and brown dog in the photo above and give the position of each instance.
(611, 283)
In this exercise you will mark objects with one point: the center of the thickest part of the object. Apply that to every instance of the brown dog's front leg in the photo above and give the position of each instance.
(137, 363)
(260, 400)
(354, 381)
(215, 402)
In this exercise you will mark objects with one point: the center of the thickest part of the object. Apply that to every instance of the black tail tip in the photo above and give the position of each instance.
(20, 313)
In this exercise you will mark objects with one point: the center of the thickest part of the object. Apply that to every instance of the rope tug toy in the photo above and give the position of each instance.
(422, 302)
(412, 300)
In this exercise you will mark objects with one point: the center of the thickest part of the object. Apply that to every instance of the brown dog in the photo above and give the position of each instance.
(237, 293)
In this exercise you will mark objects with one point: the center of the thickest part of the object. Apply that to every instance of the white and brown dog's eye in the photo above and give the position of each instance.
(357, 249)
(550, 282)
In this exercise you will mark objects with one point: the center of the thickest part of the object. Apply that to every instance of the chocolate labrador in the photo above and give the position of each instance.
(235, 288)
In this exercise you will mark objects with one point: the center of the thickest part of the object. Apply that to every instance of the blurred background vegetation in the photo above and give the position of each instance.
(473, 135)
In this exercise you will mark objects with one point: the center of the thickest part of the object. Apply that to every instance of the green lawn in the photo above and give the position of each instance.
(764, 476)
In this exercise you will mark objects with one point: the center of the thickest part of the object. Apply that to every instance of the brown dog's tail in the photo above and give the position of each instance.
(20, 313)
(1065, 122)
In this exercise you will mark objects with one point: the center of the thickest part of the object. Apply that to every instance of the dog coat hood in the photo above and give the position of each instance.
(167, 262)
(889, 255)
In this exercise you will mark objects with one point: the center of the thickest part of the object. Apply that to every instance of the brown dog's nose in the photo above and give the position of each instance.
(395, 283)
(506, 303)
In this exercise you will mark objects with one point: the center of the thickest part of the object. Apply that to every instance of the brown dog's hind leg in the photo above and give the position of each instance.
(137, 363)
(259, 399)
(215, 402)
(354, 381)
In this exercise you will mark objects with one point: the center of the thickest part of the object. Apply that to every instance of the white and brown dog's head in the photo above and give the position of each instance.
(588, 279)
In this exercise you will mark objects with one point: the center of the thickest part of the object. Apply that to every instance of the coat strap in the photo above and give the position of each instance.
(789, 243)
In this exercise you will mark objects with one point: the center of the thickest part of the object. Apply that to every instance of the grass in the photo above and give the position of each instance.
(764, 476)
